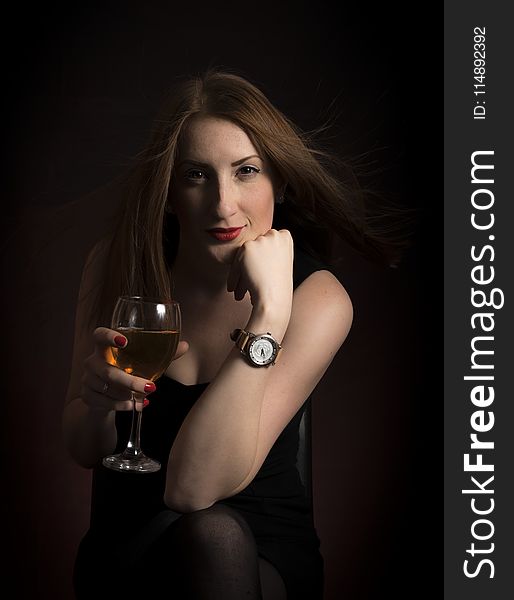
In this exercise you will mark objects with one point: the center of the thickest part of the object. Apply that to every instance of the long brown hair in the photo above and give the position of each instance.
(322, 198)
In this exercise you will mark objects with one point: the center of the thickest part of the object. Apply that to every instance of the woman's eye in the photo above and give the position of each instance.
(195, 174)
(247, 171)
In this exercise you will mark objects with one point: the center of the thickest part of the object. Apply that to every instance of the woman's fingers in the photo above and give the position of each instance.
(105, 386)
(241, 289)
(109, 388)
(236, 281)
(263, 268)
(112, 375)
(102, 393)
(235, 271)
(104, 337)
(109, 395)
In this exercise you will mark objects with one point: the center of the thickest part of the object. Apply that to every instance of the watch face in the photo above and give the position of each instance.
(262, 351)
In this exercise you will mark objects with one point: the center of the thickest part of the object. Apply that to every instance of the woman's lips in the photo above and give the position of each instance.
(225, 234)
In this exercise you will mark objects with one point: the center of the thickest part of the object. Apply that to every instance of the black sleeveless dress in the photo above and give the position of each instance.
(128, 512)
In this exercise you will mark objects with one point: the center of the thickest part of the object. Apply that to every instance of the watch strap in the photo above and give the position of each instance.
(241, 337)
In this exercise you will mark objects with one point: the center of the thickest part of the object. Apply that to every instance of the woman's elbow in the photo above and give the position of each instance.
(185, 504)
(183, 501)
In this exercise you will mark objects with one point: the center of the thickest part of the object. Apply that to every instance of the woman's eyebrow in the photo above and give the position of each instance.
(192, 162)
(242, 160)
(205, 165)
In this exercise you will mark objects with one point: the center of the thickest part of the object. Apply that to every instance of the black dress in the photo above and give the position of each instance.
(128, 512)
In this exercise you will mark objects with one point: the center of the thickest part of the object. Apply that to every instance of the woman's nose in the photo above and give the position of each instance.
(225, 200)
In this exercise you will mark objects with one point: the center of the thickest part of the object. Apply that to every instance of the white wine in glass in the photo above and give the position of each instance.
(152, 329)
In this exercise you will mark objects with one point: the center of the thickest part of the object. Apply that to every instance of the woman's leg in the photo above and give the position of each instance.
(209, 553)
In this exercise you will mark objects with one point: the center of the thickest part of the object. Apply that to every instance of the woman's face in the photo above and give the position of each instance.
(222, 191)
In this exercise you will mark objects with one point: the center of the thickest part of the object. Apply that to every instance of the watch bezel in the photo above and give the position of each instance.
(274, 346)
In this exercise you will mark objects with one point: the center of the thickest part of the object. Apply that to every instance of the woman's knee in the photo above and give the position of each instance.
(215, 527)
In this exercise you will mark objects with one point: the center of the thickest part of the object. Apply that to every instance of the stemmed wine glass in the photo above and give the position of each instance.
(152, 329)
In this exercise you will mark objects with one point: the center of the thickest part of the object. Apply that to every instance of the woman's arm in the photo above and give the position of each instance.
(233, 425)
(320, 322)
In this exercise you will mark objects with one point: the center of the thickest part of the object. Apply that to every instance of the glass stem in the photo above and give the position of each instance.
(133, 448)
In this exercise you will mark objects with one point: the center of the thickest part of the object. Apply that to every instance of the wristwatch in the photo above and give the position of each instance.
(261, 350)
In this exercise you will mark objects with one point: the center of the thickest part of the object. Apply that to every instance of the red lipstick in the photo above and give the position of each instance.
(225, 234)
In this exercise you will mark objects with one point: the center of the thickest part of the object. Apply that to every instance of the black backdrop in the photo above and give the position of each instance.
(81, 85)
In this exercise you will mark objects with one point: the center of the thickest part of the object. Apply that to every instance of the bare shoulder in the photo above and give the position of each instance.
(94, 266)
(92, 277)
(322, 300)
(97, 255)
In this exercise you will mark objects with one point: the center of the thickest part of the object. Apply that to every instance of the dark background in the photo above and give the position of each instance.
(81, 86)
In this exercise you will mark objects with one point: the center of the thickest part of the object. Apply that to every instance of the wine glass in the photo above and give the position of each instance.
(152, 329)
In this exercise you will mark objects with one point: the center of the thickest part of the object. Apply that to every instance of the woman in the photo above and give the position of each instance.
(204, 221)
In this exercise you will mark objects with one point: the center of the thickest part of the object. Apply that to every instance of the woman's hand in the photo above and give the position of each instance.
(264, 268)
(104, 386)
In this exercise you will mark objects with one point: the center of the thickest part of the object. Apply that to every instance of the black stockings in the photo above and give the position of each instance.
(209, 554)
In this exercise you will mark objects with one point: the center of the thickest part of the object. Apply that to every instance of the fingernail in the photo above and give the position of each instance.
(146, 402)
(120, 341)
(150, 387)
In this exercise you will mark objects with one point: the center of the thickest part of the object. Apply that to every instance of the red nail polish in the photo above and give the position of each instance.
(120, 341)
(146, 402)
(150, 387)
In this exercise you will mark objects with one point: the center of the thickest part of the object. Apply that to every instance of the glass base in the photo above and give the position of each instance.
(134, 464)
